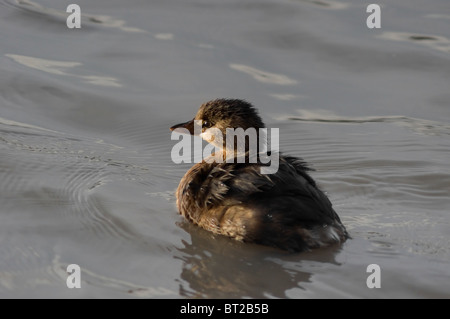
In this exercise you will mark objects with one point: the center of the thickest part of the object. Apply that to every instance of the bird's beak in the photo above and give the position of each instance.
(189, 125)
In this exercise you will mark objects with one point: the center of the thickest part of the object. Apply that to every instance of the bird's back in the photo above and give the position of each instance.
(285, 209)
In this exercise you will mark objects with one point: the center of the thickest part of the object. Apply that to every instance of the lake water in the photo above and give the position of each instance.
(86, 175)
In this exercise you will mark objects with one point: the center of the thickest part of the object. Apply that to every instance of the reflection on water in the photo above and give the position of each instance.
(214, 266)
(438, 16)
(435, 42)
(104, 20)
(6, 122)
(164, 36)
(263, 76)
(286, 97)
(326, 116)
(59, 68)
(328, 4)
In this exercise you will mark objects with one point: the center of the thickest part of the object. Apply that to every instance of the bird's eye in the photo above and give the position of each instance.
(206, 124)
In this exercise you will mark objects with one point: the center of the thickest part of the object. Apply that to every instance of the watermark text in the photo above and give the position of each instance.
(234, 145)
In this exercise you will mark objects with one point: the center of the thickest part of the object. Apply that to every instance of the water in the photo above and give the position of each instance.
(85, 171)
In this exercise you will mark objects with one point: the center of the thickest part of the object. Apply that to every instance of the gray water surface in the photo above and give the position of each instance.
(86, 175)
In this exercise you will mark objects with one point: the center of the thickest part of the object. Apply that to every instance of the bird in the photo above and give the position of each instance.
(285, 209)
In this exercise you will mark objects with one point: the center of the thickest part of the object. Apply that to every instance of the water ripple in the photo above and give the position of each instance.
(439, 43)
(416, 124)
(263, 76)
(40, 165)
(60, 68)
(86, 19)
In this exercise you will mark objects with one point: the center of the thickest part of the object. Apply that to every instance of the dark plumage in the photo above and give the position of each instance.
(285, 209)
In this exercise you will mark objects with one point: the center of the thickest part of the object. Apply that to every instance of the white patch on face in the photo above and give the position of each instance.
(207, 135)
(212, 135)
